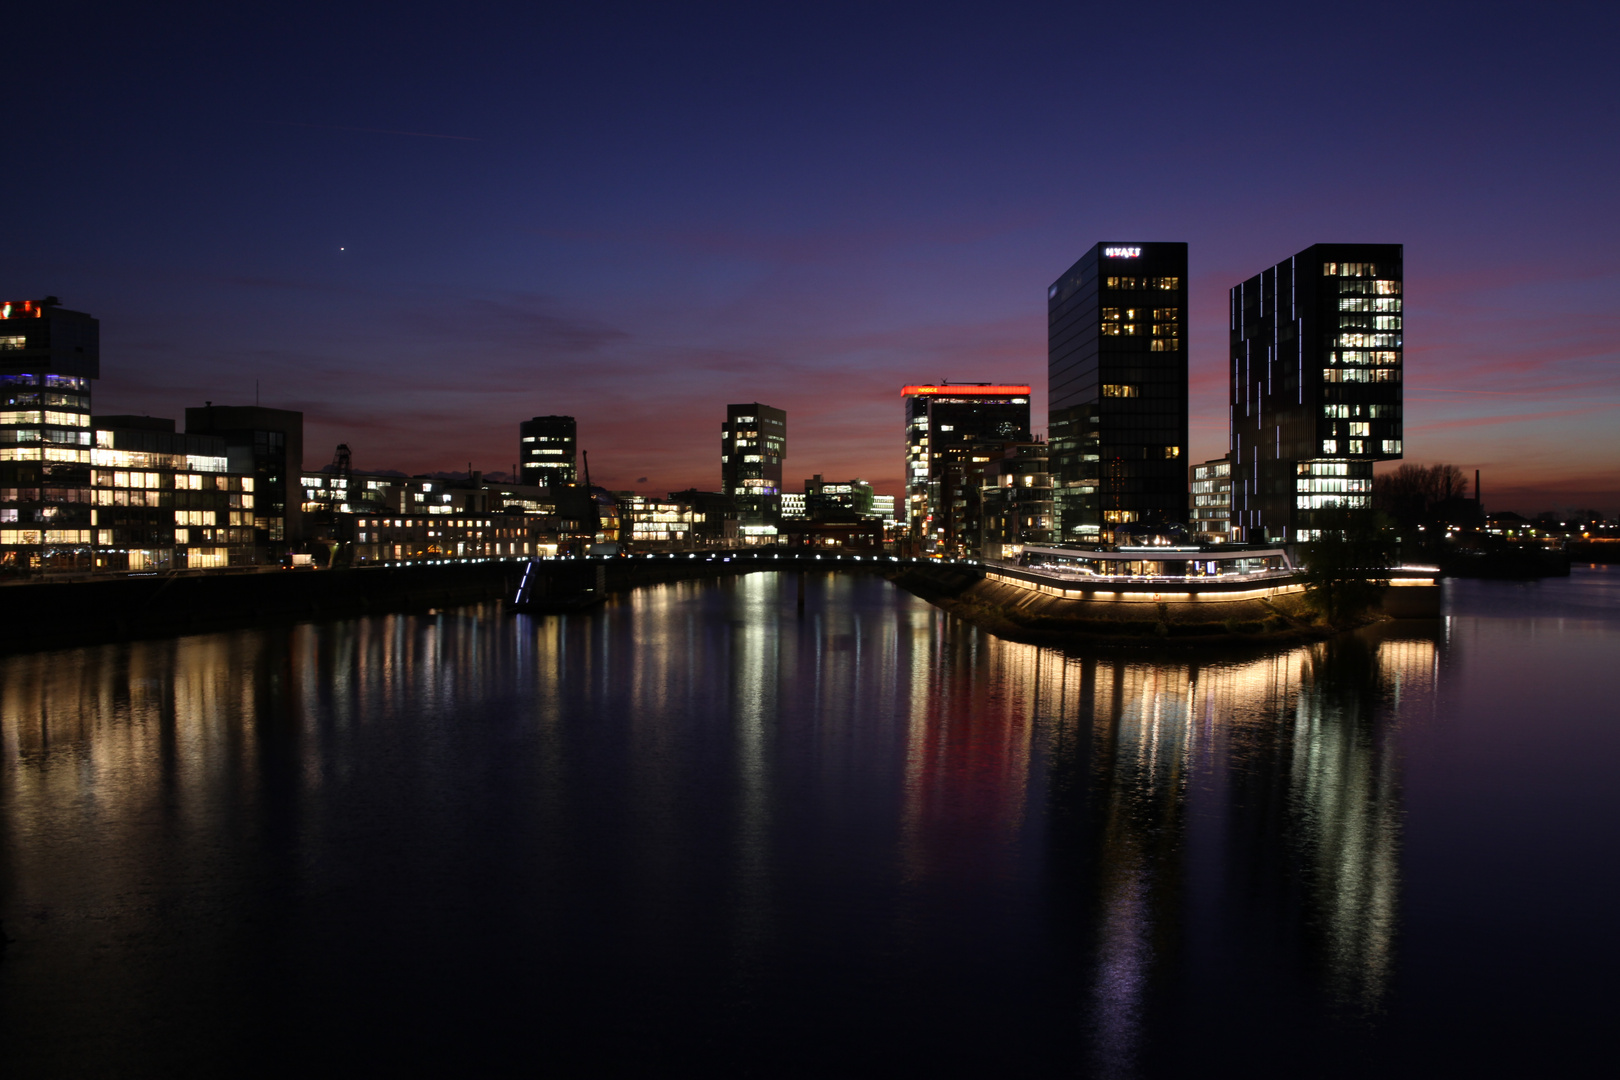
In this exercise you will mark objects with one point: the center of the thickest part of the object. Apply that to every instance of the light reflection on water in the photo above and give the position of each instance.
(699, 823)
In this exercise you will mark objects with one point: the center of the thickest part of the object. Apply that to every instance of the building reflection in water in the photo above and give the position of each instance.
(711, 780)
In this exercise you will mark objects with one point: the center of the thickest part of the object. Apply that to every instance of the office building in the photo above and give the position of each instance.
(1011, 499)
(822, 497)
(548, 451)
(714, 517)
(1316, 375)
(1211, 520)
(883, 507)
(48, 358)
(944, 423)
(753, 442)
(267, 444)
(167, 501)
(657, 524)
(1117, 386)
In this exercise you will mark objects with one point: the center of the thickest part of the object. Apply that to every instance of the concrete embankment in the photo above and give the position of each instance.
(54, 614)
(1021, 607)
(58, 614)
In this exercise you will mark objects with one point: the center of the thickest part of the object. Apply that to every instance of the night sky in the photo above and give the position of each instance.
(423, 225)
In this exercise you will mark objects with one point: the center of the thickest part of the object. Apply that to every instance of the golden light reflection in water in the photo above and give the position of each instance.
(888, 719)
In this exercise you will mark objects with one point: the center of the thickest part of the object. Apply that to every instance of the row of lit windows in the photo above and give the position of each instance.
(1359, 446)
(138, 459)
(49, 453)
(1376, 412)
(1350, 269)
(53, 436)
(1361, 375)
(1168, 284)
(44, 536)
(1382, 303)
(1369, 288)
(47, 416)
(1370, 322)
(1376, 357)
(1323, 502)
(59, 382)
(392, 523)
(47, 398)
(1369, 341)
(1333, 484)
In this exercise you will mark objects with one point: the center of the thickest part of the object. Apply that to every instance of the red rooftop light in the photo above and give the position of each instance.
(964, 391)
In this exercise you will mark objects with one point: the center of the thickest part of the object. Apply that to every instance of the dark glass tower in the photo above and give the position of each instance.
(1117, 389)
(946, 427)
(753, 442)
(1316, 387)
(548, 451)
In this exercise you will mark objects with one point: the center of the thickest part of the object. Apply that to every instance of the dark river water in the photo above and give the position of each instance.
(697, 829)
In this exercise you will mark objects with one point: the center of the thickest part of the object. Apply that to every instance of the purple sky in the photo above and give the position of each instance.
(421, 226)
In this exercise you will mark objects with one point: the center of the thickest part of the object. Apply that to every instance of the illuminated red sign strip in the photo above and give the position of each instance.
(964, 391)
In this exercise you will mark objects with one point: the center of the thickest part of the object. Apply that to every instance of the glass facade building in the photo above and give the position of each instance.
(1117, 389)
(267, 444)
(1316, 376)
(753, 442)
(944, 425)
(167, 501)
(1211, 519)
(548, 451)
(48, 358)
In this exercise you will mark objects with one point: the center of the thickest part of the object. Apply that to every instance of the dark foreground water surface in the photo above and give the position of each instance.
(697, 828)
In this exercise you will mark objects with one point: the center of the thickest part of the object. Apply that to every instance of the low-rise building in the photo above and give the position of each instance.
(1011, 498)
(1212, 501)
(656, 525)
(161, 500)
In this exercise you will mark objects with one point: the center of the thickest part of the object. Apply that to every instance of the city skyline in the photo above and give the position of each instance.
(418, 260)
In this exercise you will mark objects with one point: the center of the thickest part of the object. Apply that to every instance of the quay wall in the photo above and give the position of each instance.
(62, 613)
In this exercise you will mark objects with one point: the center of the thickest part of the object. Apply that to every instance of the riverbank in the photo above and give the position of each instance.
(59, 614)
(95, 610)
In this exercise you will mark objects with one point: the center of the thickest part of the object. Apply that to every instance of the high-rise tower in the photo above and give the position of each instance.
(548, 451)
(753, 442)
(48, 357)
(1316, 367)
(944, 424)
(1117, 388)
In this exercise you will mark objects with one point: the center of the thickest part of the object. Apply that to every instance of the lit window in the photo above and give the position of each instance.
(1121, 390)
(1169, 284)
(1330, 446)
(13, 341)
